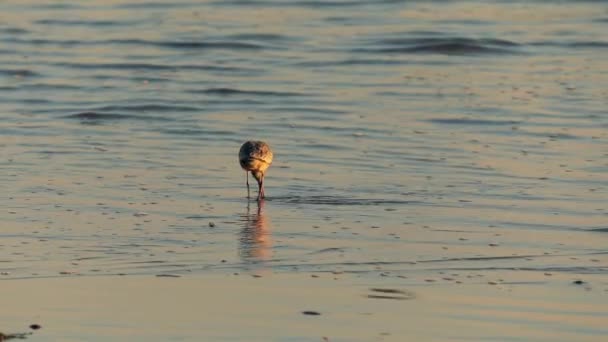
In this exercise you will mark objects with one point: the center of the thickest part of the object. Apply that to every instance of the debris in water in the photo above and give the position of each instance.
(311, 313)
(390, 294)
(20, 336)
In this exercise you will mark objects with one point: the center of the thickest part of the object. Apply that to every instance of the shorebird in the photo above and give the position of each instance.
(255, 157)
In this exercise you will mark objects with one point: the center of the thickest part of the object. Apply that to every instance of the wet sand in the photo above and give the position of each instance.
(271, 308)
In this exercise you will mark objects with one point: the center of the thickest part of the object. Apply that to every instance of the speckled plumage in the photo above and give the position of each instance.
(256, 157)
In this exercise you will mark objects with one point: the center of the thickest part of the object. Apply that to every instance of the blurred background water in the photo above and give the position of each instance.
(412, 139)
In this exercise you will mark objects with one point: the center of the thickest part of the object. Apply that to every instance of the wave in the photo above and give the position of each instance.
(442, 45)
(18, 72)
(75, 22)
(91, 117)
(235, 92)
(177, 44)
(573, 44)
(307, 3)
(154, 66)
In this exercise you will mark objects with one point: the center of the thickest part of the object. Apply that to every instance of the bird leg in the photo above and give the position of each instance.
(247, 177)
(261, 188)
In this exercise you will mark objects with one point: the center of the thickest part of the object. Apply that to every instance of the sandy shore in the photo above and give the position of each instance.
(272, 308)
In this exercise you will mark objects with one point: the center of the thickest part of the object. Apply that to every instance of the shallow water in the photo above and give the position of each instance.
(412, 140)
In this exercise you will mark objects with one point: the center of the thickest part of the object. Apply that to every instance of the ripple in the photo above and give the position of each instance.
(338, 200)
(473, 122)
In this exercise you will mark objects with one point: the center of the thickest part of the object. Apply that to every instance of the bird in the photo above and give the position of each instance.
(255, 157)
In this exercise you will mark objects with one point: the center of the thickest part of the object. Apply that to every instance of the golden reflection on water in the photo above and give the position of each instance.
(255, 243)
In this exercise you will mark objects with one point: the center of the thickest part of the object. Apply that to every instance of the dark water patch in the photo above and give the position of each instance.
(315, 117)
(36, 101)
(13, 30)
(59, 6)
(350, 62)
(118, 66)
(545, 226)
(148, 5)
(599, 230)
(40, 41)
(221, 45)
(367, 61)
(505, 257)
(235, 92)
(307, 109)
(155, 67)
(38, 131)
(552, 269)
(264, 37)
(162, 108)
(300, 3)
(153, 79)
(203, 217)
(550, 135)
(236, 102)
(18, 72)
(442, 45)
(58, 152)
(76, 22)
(473, 122)
(573, 44)
(192, 45)
(341, 20)
(591, 44)
(340, 3)
(339, 200)
(466, 22)
(48, 86)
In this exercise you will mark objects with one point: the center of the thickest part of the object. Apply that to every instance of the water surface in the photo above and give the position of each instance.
(416, 141)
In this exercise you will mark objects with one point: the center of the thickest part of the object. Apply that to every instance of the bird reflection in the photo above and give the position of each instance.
(255, 239)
